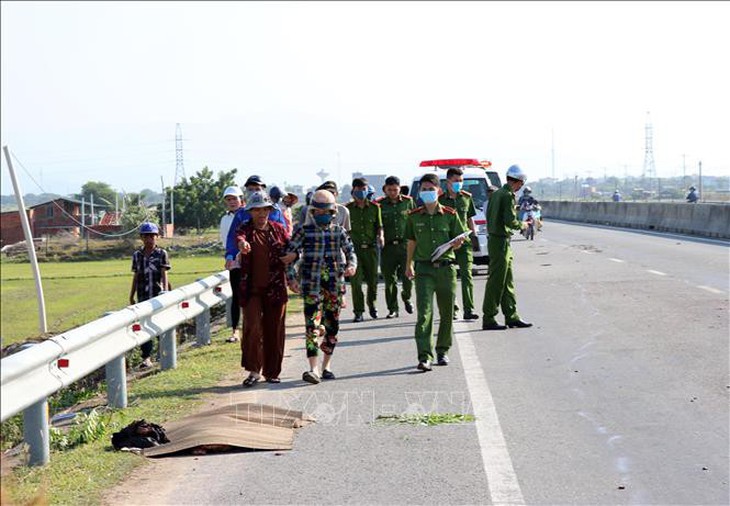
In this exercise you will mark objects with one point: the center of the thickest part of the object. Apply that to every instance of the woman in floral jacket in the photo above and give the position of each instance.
(263, 293)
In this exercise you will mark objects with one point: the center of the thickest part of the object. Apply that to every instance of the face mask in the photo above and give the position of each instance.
(322, 219)
(359, 194)
(457, 186)
(428, 196)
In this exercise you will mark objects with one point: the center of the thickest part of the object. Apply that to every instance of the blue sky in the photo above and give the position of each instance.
(93, 90)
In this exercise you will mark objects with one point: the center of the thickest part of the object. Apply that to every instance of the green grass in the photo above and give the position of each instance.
(427, 419)
(78, 292)
(83, 474)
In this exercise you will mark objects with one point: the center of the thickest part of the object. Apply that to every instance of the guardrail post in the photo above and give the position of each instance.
(168, 349)
(202, 328)
(35, 433)
(116, 382)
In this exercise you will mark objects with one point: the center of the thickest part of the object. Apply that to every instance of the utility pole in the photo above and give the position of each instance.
(649, 167)
(702, 194)
(164, 198)
(179, 173)
(43, 326)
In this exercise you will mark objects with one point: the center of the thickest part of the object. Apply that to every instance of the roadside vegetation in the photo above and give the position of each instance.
(89, 465)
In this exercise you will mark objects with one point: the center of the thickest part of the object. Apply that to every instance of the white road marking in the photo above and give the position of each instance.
(617, 260)
(586, 252)
(503, 485)
(658, 273)
(710, 289)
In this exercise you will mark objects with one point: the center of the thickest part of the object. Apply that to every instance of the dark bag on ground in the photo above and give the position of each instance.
(139, 434)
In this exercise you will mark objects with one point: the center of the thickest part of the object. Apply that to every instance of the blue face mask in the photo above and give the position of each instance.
(457, 186)
(360, 194)
(322, 219)
(428, 196)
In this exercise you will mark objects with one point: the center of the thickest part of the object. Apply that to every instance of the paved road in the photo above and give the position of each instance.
(618, 395)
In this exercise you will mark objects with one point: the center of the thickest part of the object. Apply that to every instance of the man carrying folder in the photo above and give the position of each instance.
(429, 227)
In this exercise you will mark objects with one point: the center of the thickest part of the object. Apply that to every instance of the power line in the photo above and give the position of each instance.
(70, 216)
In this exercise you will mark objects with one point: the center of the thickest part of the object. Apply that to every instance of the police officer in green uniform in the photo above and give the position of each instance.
(461, 201)
(366, 232)
(394, 209)
(501, 221)
(428, 227)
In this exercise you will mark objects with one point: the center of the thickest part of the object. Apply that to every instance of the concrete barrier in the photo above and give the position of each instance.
(706, 220)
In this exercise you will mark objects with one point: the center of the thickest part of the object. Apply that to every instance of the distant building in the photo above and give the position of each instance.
(46, 218)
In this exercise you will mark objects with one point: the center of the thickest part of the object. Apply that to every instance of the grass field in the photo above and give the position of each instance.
(78, 292)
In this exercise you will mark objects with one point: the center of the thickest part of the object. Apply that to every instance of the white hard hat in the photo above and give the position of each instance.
(515, 172)
(233, 190)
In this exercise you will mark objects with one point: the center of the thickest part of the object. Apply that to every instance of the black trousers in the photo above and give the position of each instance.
(235, 279)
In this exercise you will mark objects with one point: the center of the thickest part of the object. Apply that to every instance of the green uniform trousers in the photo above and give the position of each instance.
(441, 281)
(465, 259)
(367, 272)
(393, 266)
(500, 289)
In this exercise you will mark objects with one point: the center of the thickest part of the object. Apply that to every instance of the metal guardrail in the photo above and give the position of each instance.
(28, 377)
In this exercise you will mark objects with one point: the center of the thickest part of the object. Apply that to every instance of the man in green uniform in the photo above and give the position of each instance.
(394, 209)
(366, 232)
(427, 228)
(461, 201)
(501, 221)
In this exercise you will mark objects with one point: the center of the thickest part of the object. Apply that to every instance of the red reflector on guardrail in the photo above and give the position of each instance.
(62, 362)
(218, 289)
(136, 327)
(185, 305)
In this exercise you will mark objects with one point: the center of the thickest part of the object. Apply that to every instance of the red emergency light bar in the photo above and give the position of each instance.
(449, 162)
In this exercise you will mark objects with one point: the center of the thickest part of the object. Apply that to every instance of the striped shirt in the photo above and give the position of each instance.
(321, 248)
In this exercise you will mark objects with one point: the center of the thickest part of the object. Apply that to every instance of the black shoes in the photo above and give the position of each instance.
(493, 326)
(424, 365)
(409, 307)
(358, 318)
(311, 377)
(392, 314)
(442, 360)
(519, 324)
(373, 313)
(471, 316)
(328, 375)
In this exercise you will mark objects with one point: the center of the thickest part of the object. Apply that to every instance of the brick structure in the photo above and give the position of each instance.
(47, 218)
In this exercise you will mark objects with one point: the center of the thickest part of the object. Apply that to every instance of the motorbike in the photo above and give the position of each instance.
(529, 231)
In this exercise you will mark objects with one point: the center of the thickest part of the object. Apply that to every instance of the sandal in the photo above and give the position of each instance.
(273, 380)
(250, 381)
(311, 377)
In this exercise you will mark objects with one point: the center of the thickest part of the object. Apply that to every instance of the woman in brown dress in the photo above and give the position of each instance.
(263, 294)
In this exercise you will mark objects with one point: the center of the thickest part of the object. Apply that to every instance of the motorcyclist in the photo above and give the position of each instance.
(526, 202)
(616, 196)
(692, 196)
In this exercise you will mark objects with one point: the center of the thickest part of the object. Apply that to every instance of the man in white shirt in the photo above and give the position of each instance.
(233, 197)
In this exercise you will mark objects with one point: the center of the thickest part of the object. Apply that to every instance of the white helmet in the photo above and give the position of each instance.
(233, 190)
(527, 189)
(514, 172)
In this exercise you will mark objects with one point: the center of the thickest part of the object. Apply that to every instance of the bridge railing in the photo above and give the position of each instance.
(29, 377)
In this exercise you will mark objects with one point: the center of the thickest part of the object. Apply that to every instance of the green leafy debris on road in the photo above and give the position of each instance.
(425, 419)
